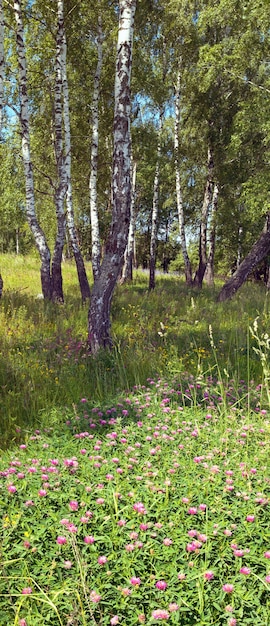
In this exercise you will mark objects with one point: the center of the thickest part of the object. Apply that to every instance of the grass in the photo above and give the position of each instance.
(134, 487)
(44, 361)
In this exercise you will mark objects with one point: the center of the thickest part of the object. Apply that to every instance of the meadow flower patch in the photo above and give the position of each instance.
(149, 511)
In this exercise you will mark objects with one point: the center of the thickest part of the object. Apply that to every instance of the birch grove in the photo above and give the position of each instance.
(64, 96)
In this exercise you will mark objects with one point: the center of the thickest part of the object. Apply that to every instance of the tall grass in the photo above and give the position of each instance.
(45, 363)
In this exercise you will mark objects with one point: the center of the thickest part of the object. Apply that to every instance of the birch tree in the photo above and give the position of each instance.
(208, 193)
(61, 187)
(179, 197)
(96, 247)
(209, 270)
(83, 280)
(129, 252)
(100, 302)
(154, 220)
(38, 234)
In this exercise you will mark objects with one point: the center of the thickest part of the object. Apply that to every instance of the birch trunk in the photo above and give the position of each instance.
(2, 65)
(179, 197)
(100, 302)
(61, 189)
(258, 251)
(209, 272)
(39, 237)
(154, 222)
(96, 247)
(127, 273)
(198, 278)
(83, 281)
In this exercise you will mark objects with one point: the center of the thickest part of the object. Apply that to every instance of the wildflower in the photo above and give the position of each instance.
(173, 607)
(26, 591)
(167, 541)
(126, 592)
(139, 507)
(267, 578)
(228, 588)
(114, 620)
(73, 505)
(160, 614)
(11, 489)
(245, 570)
(181, 576)
(72, 528)
(209, 575)
(232, 621)
(68, 564)
(89, 539)
(239, 552)
(161, 584)
(102, 560)
(133, 535)
(267, 554)
(143, 526)
(95, 597)
(22, 622)
(250, 518)
(135, 581)
(61, 540)
(192, 510)
(141, 618)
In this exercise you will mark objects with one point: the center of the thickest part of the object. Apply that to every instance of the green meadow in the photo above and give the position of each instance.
(134, 486)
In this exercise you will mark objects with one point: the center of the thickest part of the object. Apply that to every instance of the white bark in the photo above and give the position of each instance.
(154, 222)
(83, 281)
(61, 189)
(2, 65)
(100, 302)
(129, 252)
(96, 247)
(37, 232)
(209, 272)
(179, 197)
(208, 194)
